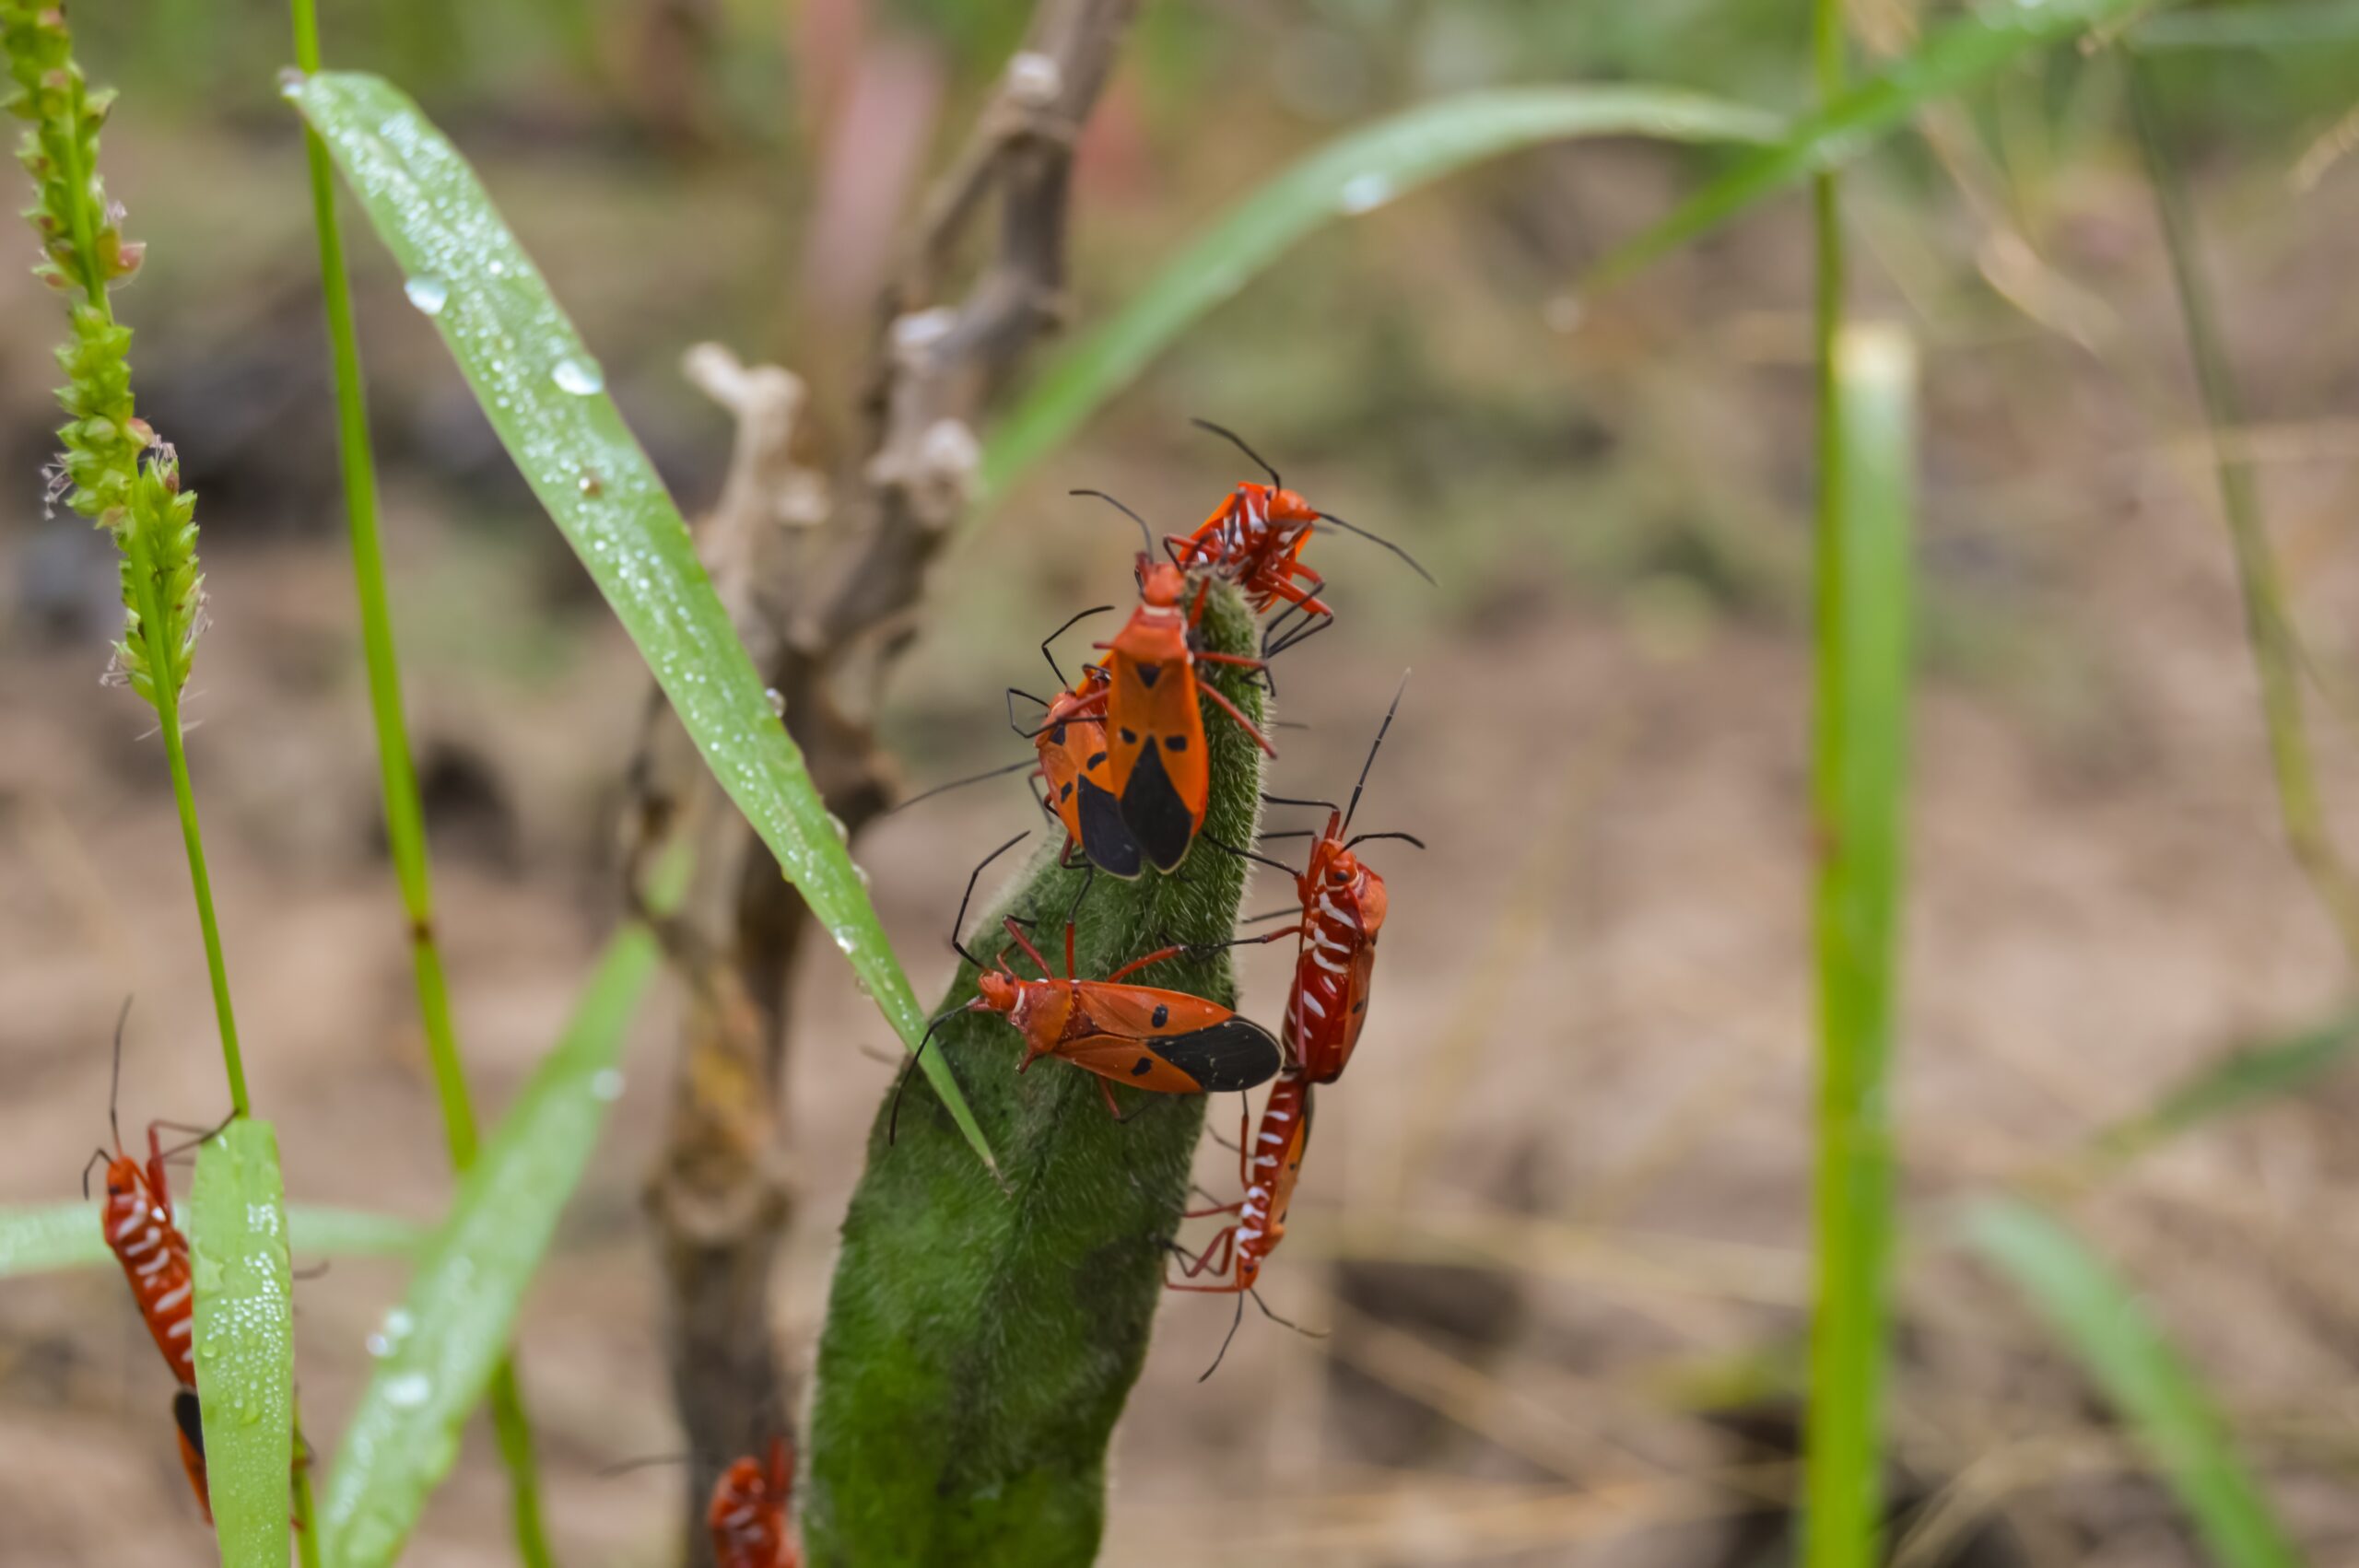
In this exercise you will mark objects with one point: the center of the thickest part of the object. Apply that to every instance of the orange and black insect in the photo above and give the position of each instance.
(1343, 909)
(1255, 538)
(138, 1218)
(747, 1515)
(1072, 764)
(1268, 1168)
(189, 1418)
(1157, 768)
(1163, 1041)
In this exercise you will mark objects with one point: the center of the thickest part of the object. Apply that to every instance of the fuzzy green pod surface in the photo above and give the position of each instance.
(980, 1342)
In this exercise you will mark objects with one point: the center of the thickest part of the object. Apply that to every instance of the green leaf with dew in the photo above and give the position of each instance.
(1356, 172)
(545, 395)
(2100, 1320)
(49, 1237)
(245, 1338)
(450, 1331)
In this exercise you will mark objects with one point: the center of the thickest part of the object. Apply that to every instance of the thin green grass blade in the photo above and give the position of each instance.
(455, 1317)
(1952, 58)
(1360, 171)
(2254, 26)
(245, 1344)
(2100, 1321)
(49, 1237)
(2236, 1083)
(1859, 795)
(543, 393)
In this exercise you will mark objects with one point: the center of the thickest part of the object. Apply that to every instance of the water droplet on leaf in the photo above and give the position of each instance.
(408, 1390)
(606, 1084)
(426, 292)
(580, 377)
(1365, 193)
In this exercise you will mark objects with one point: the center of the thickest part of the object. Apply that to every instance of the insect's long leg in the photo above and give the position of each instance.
(1285, 913)
(1096, 610)
(1088, 880)
(1270, 649)
(962, 783)
(114, 1078)
(98, 1157)
(1244, 1147)
(1230, 708)
(1283, 1322)
(1270, 800)
(1015, 930)
(1281, 932)
(1246, 854)
(1158, 957)
(1236, 1319)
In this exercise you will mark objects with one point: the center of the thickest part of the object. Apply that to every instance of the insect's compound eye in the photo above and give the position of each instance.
(1336, 878)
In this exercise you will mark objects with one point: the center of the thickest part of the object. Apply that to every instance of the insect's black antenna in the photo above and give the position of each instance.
(1146, 534)
(1379, 539)
(1061, 631)
(1292, 800)
(1088, 880)
(1380, 729)
(1233, 1323)
(1248, 855)
(1367, 837)
(972, 877)
(1290, 832)
(893, 1121)
(98, 1157)
(1269, 915)
(962, 783)
(1233, 439)
(1282, 1322)
(114, 1082)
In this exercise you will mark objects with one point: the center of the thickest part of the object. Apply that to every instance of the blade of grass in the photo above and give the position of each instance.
(1859, 791)
(462, 1300)
(1952, 58)
(2236, 1083)
(56, 1236)
(1358, 172)
(2253, 27)
(2276, 651)
(244, 1340)
(543, 394)
(2099, 1321)
(397, 773)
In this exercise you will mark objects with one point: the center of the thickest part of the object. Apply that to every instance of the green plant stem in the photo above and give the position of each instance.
(307, 1530)
(397, 770)
(154, 630)
(2275, 646)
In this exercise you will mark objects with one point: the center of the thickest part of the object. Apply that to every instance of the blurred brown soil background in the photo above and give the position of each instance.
(1552, 1225)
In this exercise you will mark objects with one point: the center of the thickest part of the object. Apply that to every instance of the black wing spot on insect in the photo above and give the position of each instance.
(1096, 760)
(1162, 1014)
(1104, 837)
(190, 1416)
(1175, 742)
(1156, 815)
(1064, 790)
(1144, 1066)
(1235, 1053)
(1130, 736)
(1057, 735)
(1360, 1006)
(1149, 674)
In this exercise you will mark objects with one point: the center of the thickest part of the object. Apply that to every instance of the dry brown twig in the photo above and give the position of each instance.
(823, 584)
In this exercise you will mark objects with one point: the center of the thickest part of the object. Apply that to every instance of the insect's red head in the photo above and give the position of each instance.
(1161, 584)
(1287, 505)
(997, 992)
(741, 1482)
(124, 1178)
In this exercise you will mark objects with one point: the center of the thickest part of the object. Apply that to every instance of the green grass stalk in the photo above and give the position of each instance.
(397, 771)
(1862, 578)
(2276, 649)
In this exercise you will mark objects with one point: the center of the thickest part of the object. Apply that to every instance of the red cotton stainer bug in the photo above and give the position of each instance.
(1072, 764)
(1154, 728)
(1343, 909)
(1267, 1168)
(1255, 538)
(748, 1512)
(137, 1219)
(1165, 1042)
